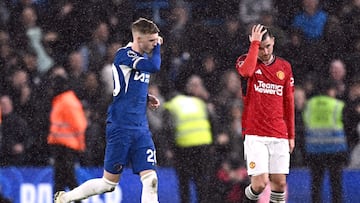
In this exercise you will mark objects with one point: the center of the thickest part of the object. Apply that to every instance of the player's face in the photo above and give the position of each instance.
(147, 42)
(266, 49)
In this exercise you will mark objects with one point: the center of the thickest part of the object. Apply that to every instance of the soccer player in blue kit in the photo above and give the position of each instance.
(128, 138)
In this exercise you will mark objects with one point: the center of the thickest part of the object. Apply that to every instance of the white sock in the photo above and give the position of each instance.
(149, 188)
(89, 188)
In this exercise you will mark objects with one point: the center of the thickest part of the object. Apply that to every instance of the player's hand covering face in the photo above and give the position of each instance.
(147, 42)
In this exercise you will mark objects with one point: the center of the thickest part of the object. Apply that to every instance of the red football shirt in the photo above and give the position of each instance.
(268, 96)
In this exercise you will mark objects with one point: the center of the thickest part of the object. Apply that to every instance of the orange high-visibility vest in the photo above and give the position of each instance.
(67, 122)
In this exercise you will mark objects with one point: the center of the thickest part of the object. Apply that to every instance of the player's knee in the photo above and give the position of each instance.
(279, 185)
(150, 181)
(278, 182)
(258, 187)
(259, 183)
(107, 186)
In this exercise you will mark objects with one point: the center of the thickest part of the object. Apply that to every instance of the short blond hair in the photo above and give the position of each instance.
(144, 26)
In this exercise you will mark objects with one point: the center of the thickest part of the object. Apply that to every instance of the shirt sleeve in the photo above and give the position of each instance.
(151, 64)
(289, 107)
(246, 68)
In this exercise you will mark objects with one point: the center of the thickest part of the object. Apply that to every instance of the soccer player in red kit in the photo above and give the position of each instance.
(268, 116)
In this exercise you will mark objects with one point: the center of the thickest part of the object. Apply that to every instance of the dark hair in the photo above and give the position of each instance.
(145, 26)
(59, 84)
(267, 34)
(326, 84)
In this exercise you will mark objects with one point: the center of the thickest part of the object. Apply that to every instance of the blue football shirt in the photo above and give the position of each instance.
(131, 75)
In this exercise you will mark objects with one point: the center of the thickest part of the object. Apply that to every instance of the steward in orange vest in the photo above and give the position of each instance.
(67, 121)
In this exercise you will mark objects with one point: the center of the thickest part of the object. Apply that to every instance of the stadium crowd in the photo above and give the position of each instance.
(319, 38)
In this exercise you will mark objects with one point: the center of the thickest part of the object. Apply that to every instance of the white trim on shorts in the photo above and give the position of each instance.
(269, 155)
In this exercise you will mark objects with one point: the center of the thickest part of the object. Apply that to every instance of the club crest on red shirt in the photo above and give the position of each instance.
(280, 75)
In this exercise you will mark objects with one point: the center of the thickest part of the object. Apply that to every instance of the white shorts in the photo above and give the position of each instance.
(266, 155)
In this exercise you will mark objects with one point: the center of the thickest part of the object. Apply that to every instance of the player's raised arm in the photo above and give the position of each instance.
(246, 65)
(147, 42)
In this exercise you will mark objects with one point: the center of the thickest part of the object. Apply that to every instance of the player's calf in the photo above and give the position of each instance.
(149, 188)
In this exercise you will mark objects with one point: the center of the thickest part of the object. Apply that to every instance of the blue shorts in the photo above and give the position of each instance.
(124, 146)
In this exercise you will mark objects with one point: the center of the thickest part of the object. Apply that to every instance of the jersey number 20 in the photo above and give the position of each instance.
(151, 156)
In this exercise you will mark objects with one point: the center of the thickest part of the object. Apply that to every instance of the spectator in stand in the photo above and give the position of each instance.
(177, 58)
(4, 14)
(9, 61)
(118, 14)
(267, 18)
(352, 60)
(213, 12)
(325, 140)
(36, 109)
(335, 38)
(352, 120)
(294, 48)
(195, 86)
(76, 72)
(14, 24)
(22, 94)
(15, 132)
(93, 155)
(309, 85)
(291, 8)
(209, 70)
(231, 92)
(40, 153)
(179, 23)
(71, 34)
(230, 40)
(311, 21)
(229, 104)
(349, 18)
(237, 149)
(337, 72)
(93, 95)
(33, 36)
(335, 7)
(251, 10)
(30, 65)
(94, 52)
(300, 99)
(28, 104)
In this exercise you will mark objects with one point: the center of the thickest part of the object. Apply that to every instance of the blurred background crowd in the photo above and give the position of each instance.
(202, 39)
